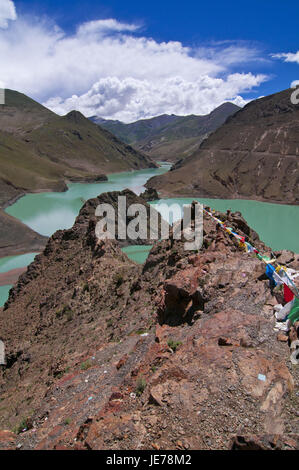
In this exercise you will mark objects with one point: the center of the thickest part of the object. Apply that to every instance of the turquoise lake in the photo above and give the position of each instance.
(276, 224)
(137, 253)
(13, 262)
(9, 263)
(47, 212)
(4, 290)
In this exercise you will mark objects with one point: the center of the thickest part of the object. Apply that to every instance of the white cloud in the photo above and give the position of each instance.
(104, 68)
(232, 52)
(130, 99)
(102, 26)
(288, 57)
(7, 12)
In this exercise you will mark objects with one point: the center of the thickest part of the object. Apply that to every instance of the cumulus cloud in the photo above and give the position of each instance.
(105, 68)
(288, 56)
(130, 99)
(7, 12)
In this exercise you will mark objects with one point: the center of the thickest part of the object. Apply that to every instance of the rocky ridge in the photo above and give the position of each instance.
(179, 353)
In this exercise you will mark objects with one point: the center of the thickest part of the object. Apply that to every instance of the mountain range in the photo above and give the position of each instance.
(41, 151)
(179, 353)
(168, 137)
(253, 155)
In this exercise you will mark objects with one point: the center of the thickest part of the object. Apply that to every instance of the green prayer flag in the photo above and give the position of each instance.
(294, 313)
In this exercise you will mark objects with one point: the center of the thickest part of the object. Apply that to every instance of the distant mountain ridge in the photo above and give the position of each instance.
(169, 137)
(136, 131)
(254, 155)
(41, 151)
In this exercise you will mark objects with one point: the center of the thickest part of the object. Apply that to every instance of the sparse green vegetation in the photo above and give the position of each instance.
(65, 311)
(67, 421)
(85, 287)
(62, 373)
(173, 344)
(119, 280)
(141, 331)
(86, 365)
(21, 426)
(140, 385)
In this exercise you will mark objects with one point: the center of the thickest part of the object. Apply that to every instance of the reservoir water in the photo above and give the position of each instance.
(137, 253)
(9, 263)
(47, 212)
(276, 224)
(4, 291)
(13, 262)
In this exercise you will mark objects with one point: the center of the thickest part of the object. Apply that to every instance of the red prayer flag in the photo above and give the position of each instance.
(288, 294)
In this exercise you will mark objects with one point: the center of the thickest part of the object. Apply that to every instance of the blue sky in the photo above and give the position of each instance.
(132, 59)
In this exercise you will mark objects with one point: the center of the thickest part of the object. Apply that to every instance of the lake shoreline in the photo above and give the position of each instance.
(31, 239)
(10, 277)
(16, 238)
(61, 187)
(168, 195)
(270, 221)
(48, 221)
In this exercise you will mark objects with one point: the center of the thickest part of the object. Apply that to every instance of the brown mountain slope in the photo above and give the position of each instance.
(41, 151)
(254, 155)
(105, 354)
(16, 237)
(183, 137)
(169, 137)
(21, 113)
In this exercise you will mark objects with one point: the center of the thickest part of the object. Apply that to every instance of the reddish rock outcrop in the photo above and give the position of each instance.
(7, 440)
(180, 353)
